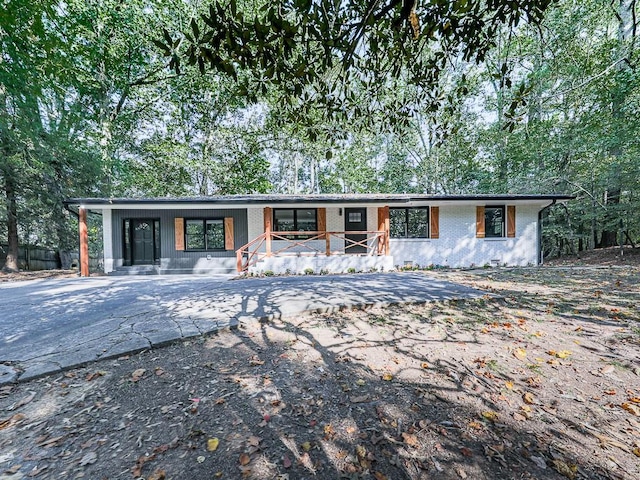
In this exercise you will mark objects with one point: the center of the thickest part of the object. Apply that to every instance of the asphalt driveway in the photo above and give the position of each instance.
(49, 325)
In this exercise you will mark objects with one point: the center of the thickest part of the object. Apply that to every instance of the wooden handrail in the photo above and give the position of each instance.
(371, 243)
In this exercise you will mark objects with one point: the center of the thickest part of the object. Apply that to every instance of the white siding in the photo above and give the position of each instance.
(107, 239)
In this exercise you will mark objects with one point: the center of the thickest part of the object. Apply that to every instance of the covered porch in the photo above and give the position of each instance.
(357, 247)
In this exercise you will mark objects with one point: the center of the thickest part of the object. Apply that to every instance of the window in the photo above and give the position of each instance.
(494, 222)
(204, 234)
(355, 217)
(409, 222)
(295, 220)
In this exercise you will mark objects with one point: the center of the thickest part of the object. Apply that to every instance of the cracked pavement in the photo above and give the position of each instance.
(54, 324)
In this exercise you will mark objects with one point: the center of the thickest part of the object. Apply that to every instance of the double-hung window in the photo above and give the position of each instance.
(204, 234)
(295, 220)
(409, 222)
(494, 223)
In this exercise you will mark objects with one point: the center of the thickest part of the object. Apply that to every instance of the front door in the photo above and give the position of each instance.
(143, 242)
(355, 220)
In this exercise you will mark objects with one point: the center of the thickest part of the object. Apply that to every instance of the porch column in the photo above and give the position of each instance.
(268, 216)
(383, 226)
(84, 242)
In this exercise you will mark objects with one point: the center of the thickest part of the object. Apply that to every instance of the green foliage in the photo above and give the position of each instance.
(340, 58)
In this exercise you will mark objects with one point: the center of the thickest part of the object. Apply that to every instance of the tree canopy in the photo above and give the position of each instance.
(342, 58)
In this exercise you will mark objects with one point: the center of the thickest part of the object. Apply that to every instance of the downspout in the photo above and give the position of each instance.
(540, 214)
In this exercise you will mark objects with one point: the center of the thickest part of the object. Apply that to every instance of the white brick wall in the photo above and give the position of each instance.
(459, 247)
(456, 247)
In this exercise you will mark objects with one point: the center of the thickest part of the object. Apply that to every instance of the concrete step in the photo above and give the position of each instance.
(136, 270)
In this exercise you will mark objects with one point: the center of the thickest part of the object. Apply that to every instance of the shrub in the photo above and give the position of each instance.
(308, 271)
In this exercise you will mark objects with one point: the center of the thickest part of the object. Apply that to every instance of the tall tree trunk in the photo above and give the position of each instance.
(11, 264)
(626, 30)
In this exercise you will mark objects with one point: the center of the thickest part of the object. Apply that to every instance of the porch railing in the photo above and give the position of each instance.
(370, 243)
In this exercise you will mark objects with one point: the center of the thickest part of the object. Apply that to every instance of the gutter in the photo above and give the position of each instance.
(540, 214)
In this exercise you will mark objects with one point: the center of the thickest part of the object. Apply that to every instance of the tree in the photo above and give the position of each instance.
(342, 57)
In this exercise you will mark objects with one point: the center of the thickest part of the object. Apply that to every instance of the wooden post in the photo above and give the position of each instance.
(383, 225)
(268, 217)
(239, 261)
(84, 242)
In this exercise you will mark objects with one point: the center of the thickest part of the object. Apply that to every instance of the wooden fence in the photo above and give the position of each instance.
(33, 258)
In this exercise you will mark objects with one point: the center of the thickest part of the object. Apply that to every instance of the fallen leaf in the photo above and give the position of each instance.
(329, 431)
(159, 371)
(528, 398)
(518, 417)
(636, 452)
(256, 362)
(539, 461)
(13, 469)
(22, 402)
(136, 470)
(158, 475)
(200, 459)
(423, 365)
(489, 415)
(565, 469)
(466, 452)
(410, 439)
(254, 441)
(94, 375)
(360, 382)
(359, 399)
(12, 420)
(245, 459)
(509, 384)
(611, 391)
(88, 459)
(629, 407)
(379, 476)
(387, 377)
(607, 369)
(306, 446)
(212, 444)
(138, 374)
(520, 353)
(286, 462)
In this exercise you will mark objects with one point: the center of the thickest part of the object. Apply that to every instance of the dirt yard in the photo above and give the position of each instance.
(542, 382)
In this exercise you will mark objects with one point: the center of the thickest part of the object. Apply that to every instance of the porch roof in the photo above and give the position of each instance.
(238, 201)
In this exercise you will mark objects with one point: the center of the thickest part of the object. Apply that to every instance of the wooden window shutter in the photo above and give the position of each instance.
(479, 222)
(434, 220)
(511, 221)
(179, 233)
(228, 234)
(322, 221)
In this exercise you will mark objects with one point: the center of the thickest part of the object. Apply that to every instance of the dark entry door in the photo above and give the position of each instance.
(355, 219)
(143, 242)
